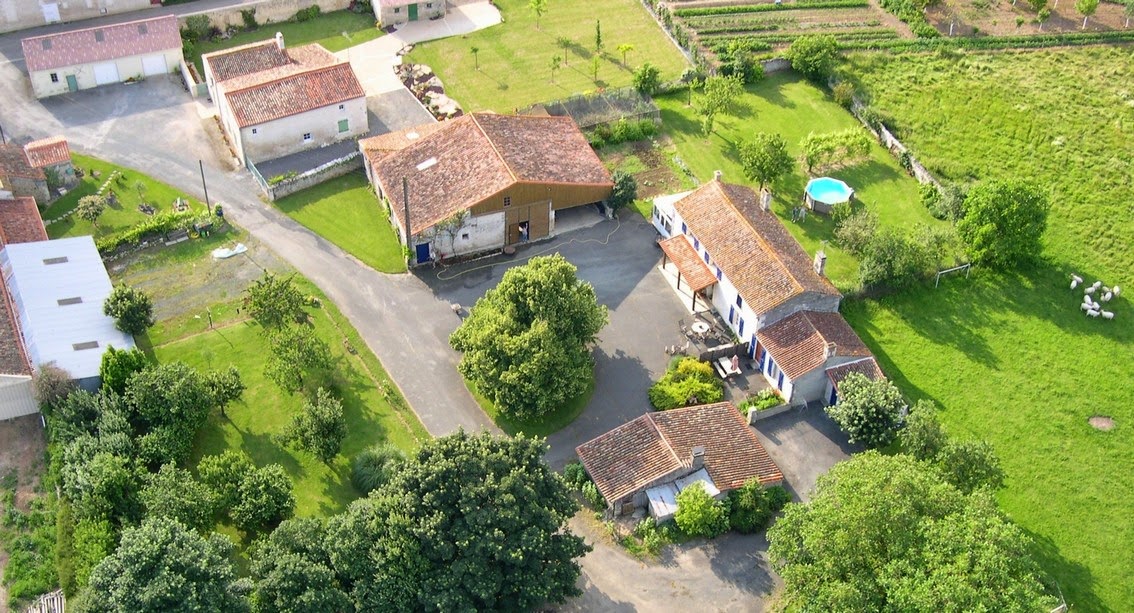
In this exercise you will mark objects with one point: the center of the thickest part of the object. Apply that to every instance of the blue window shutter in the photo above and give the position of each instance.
(780, 383)
(706, 257)
(684, 228)
(739, 301)
(719, 273)
(740, 328)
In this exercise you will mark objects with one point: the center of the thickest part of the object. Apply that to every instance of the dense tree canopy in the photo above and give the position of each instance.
(274, 301)
(162, 566)
(868, 411)
(173, 492)
(320, 427)
(1004, 222)
(526, 342)
(292, 571)
(813, 55)
(765, 158)
(470, 523)
(118, 365)
(131, 308)
(719, 94)
(967, 464)
(887, 533)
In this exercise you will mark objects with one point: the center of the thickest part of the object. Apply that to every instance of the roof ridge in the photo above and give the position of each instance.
(495, 149)
(763, 242)
(668, 445)
(299, 73)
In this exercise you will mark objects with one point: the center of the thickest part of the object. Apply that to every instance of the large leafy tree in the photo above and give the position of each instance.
(869, 411)
(173, 492)
(887, 533)
(1004, 222)
(526, 342)
(274, 301)
(131, 308)
(765, 158)
(118, 365)
(292, 571)
(320, 427)
(472, 522)
(967, 464)
(163, 566)
(168, 404)
(719, 94)
(295, 352)
(813, 55)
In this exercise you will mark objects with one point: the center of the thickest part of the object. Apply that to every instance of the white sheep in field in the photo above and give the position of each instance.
(1075, 281)
(1096, 285)
(1086, 306)
(1092, 313)
(1107, 296)
(1117, 290)
(1087, 298)
(1107, 314)
(1091, 289)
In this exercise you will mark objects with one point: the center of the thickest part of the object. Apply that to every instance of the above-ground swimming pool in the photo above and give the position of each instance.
(828, 190)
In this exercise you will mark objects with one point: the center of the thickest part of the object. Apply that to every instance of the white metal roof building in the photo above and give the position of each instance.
(57, 288)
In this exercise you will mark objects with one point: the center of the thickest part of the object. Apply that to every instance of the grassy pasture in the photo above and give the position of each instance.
(1010, 357)
(515, 57)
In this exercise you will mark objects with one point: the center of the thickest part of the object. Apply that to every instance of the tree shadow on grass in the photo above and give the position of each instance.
(1073, 580)
(769, 89)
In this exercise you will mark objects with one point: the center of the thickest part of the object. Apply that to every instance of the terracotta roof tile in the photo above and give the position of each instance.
(14, 163)
(378, 147)
(47, 152)
(461, 163)
(20, 222)
(694, 271)
(640, 452)
(13, 359)
(753, 248)
(798, 343)
(867, 367)
(245, 59)
(294, 94)
(117, 40)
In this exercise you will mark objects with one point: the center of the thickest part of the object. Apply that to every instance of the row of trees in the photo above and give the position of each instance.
(416, 543)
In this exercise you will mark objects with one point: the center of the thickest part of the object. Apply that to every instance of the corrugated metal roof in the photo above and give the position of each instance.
(38, 276)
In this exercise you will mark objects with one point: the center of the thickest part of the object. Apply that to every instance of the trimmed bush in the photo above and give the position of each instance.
(699, 514)
(687, 382)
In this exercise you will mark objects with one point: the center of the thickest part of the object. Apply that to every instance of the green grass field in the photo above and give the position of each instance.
(345, 212)
(1011, 358)
(115, 218)
(515, 57)
(335, 31)
(374, 409)
(792, 107)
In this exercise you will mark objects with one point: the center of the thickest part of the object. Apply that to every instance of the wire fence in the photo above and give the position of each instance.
(593, 109)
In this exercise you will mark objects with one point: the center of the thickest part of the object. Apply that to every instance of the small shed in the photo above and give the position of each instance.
(53, 155)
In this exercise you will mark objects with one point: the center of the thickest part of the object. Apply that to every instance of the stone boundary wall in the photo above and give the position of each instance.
(315, 176)
(196, 89)
(267, 11)
(755, 416)
(894, 146)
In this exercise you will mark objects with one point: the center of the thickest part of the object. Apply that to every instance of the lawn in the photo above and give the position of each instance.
(546, 425)
(1011, 358)
(345, 212)
(515, 57)
(375, 410)
(335, 31)
(792, 107)
(116, 218)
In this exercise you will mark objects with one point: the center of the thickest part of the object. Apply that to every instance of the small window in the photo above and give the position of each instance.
(342, 106)
(50, 261)
(99, 36)
(464, 236)
(719, 273)
(706, 257)
(55, 77)
(306, 137)
(255, 131)
(46, 44)
(86, 345)
(397, 9)
(684, 228)
(739, 301)
(428, 5)
(142, 29)
(344, 125)
(70, 301)
(507, 201)
(696, 244)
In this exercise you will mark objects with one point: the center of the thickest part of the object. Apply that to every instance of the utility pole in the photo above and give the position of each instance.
(201, 163)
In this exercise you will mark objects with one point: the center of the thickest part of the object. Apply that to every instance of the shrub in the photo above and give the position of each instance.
(699, 514)
(308, 13)
(575, 475)
(764, 399)
(868, 411)
(131, 308)
(752, 506)
(647, 79)
(593, 496)
(624, 192)
(52, 385)
(375, 466)
(118, 365)
(951, 204)
(843, 93)
(653, 536)
(197, 27)
(930, 198)
(813, 55)
(856, 232)
(688, 381)
(248, 16)
(159, 224)
(892, 259)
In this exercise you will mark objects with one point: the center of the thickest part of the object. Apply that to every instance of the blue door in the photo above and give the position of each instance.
(422, 253)
(780, 382)
(834, 395)
(752, 350)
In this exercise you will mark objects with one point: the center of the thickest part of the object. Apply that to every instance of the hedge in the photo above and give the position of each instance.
(763, 8)
(1069, 39)
(160, 223)
(850, 35)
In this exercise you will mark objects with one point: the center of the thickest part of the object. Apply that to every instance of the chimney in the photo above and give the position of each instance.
(279, 40)
(830, 349)
(717, 175)
(698, 457)
(820, 262)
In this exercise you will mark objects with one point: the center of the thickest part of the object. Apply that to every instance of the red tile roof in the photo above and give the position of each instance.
(867, 367)
(47, 152)
(14, 163)
(294, 94)
(470, 158)
(13, 359)
(693, 269)
(118, 40)
(245, 59)
(799, 343)
(20, 222)
(378, 147)
(639, 453)
(752, 246)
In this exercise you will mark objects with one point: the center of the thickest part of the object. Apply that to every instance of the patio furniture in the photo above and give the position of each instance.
(728, 367)
(700, 328)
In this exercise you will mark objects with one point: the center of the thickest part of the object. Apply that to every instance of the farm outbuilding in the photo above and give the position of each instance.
(394, 12)
(56, 290)
(101, 55)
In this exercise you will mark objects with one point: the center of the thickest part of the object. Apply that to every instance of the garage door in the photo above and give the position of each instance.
(154, 65)
(105, 73)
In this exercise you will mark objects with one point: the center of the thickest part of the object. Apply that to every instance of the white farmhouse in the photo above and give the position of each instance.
(273, 101)
(82, 59)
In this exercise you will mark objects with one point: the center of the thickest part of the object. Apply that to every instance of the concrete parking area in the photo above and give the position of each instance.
(805, 443)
